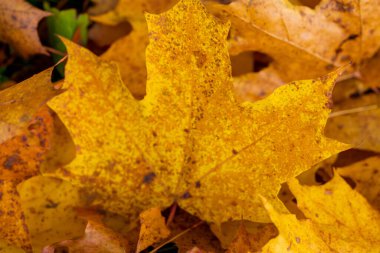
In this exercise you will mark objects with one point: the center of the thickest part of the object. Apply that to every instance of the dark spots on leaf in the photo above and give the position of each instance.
(1, 196)
(186, 130)
(24, 138)
(186, 195)
(14, 17)
(24, 118)
(235, 152)
(375, 172)
(148, 178)
(11, 161)
(298, 240)
(10, 213)
(51, 204)
(329, 67)
(42, 143)
(200, 58)
(154, 134)
(198, 184)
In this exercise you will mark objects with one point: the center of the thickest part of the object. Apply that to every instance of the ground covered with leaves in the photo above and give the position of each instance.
(189, 126)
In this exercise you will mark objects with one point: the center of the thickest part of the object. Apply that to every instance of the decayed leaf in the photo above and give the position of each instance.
(153, 228)
(12, 222)
(188, 139)
(359, 19)
(97, 238)
(235, 232)
(296, 37)
(19, 103)
(49, 206)
(366, 176)
(26, 131)
(252, 241)
(18, 26)
(339, 220)
(21, 158)
(197, 237)
(356, 121)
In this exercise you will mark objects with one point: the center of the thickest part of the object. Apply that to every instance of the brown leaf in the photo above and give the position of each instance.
(97, 238)
(18, 26)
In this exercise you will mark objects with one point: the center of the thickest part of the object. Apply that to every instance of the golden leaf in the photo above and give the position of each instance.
(366, 177)
(153, 228)
(339, 220)
(188, 139)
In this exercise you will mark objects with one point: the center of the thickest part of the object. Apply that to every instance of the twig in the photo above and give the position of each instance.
(54, 51)
(172, 213)
(353, 110)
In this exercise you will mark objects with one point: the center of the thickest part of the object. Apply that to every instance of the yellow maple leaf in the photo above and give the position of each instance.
(339, 220)
(188, 140)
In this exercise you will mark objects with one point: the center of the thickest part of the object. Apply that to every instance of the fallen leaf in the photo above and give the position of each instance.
(200, 238)
(296, 37)
(129, 53)
(252, 241)
(97, 238)
(153, 228)
(356, 120)
(21, 158)
(12, 221)
(366, 177)
(20, 102)
(18, 26)
(188, 135)
(49, 206)
(339, 220)
(133, 11)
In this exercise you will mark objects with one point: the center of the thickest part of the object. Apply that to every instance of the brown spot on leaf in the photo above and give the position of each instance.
(148, 178)
(11, 161)
(186, 195)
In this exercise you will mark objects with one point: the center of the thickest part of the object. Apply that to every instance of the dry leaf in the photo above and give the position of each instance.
(200, 238)
(188, 135)
(21, 158)
(153, 228)
(49, 206)
(356, 120)
(365, 174)
(339, 220)
(18, 26)
(97, 238)
(19, 103)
